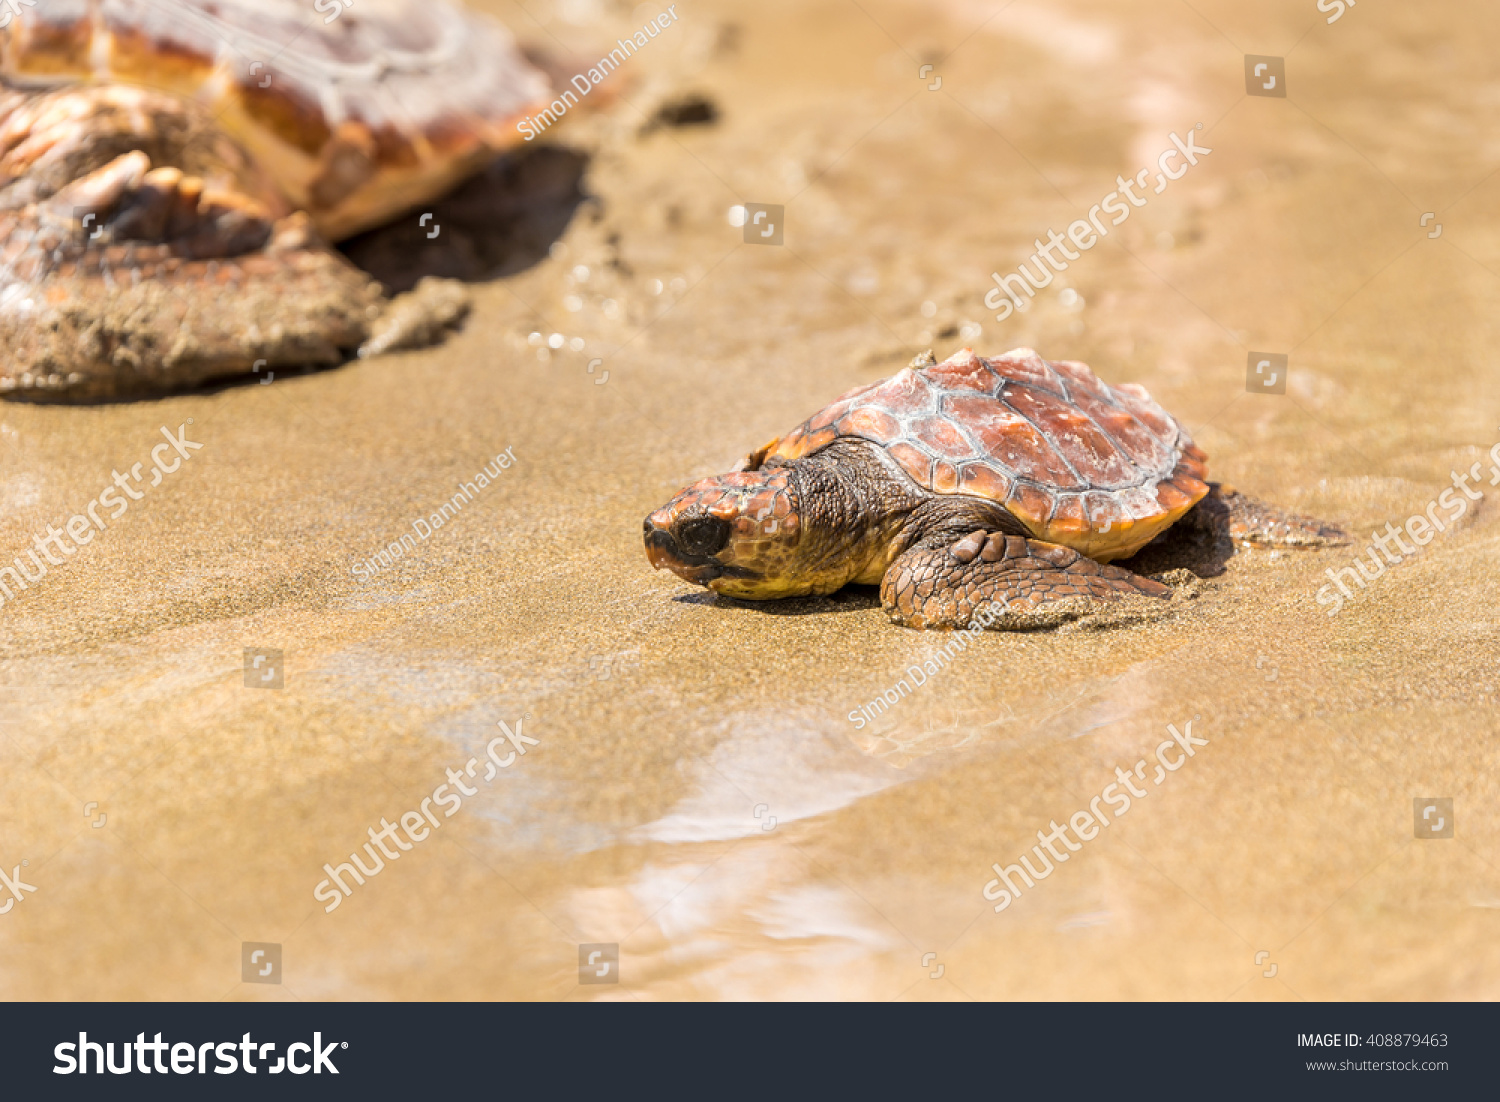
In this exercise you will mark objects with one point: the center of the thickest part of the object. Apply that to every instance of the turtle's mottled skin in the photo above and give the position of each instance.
(171, 170)
(956, 487)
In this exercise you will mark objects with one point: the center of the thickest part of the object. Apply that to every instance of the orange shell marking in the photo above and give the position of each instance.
(1097, 468)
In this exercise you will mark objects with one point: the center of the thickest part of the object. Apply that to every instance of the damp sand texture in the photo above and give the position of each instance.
(698, 794)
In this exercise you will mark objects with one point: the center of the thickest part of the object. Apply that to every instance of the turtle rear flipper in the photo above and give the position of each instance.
(1244, 519)
(1006, 582)
(1255, 522)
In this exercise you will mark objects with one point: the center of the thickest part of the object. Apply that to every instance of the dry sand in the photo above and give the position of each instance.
(665, 719)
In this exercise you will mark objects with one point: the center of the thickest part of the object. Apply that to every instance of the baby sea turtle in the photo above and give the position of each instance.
(972, 491)
(171, 169)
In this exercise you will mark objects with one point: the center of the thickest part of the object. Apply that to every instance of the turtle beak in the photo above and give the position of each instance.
(658, 553)
(663, 553)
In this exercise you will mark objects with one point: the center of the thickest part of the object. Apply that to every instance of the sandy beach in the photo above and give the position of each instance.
(697, 795)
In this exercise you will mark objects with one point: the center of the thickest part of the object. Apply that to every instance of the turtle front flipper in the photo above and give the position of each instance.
(1005, 583)
(168, 264)
(131, 281)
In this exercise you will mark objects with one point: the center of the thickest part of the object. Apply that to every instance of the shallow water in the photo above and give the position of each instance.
(698, 794)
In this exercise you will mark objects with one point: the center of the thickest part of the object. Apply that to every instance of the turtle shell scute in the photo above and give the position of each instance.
(1096, 467)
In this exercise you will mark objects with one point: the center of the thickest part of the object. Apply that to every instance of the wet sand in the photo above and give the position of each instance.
(697, 794)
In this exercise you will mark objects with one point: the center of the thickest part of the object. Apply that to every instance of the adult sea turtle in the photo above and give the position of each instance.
(170, 171)
(972, 491)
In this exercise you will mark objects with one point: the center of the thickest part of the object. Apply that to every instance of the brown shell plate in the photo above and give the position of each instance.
(1097, 468)
(358, 109)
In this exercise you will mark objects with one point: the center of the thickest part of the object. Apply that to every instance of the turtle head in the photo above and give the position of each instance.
(738, 534)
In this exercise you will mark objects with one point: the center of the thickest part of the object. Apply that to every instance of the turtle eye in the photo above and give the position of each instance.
(702, 533)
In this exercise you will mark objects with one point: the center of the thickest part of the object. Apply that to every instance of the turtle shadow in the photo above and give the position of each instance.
(500, 221)
(216, 384)
(1200, 543)
(852, 598)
